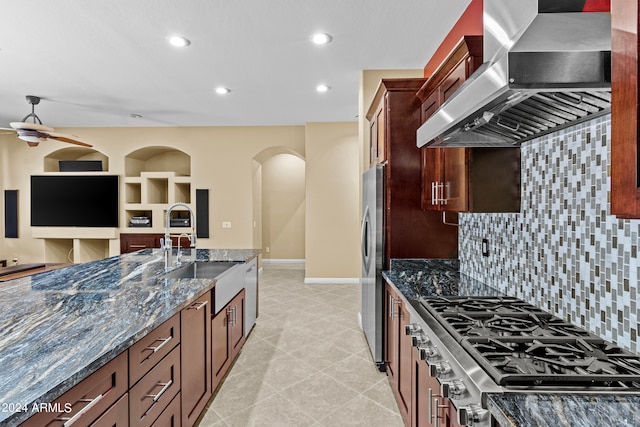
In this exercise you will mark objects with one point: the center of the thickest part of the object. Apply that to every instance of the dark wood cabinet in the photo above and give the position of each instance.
(88, 400)
(398, 351)
(131, 242)
(195, 331)
(228, 336)
(465, 179)
(153, 393)
(625, 113)
(149, 350)
(410, 232)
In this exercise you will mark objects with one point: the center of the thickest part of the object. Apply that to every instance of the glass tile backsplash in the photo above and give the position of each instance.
(563, 252)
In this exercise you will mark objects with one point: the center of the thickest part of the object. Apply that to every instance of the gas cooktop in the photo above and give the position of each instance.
(518, 344)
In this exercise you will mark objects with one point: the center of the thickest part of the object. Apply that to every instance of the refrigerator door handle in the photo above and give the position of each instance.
(366, 229)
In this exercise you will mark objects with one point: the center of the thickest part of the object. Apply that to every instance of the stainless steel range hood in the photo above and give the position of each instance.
(541, 72)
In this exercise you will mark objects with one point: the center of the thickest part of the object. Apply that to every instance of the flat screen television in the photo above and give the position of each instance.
(74, 201)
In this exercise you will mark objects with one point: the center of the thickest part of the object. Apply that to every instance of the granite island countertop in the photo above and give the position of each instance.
(58, 327)
(441, 277)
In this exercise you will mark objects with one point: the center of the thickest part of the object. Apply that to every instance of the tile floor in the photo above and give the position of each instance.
(306, 363)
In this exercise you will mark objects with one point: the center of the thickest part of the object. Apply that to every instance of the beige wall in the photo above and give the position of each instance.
(283, 213)
(230, 162)
(332, 204)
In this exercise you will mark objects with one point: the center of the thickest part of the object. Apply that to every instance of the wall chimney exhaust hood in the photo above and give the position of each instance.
(546, 66)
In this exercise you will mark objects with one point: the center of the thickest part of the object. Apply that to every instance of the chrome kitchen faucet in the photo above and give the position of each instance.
(165, 243)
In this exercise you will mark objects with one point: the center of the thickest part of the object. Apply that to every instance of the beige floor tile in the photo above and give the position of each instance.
(306, 363)
(319, 395)
(362, 411)
(355, 372)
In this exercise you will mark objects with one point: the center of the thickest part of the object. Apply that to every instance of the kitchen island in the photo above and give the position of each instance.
(519, 406)
(59, 327)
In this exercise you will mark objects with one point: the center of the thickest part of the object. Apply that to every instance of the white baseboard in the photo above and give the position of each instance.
(332, 280)
(282, 261)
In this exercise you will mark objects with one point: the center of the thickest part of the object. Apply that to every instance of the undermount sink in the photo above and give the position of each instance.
(200, 270)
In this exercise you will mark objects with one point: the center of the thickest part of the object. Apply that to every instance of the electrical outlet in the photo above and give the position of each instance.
(266, 249)
(485, 247)
(226, 224)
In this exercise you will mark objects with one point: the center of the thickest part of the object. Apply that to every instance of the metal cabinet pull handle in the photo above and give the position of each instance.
(138, 246)
(434, 201)
(198, 305)
(165, 387)
(91, 404)
(165, 341)
(436, 403)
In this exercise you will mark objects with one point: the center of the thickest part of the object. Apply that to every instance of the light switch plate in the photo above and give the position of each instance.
(226, 224)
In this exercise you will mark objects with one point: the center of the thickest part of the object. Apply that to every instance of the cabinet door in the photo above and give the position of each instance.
(373, 140)
(170, 417)
(453, 81)
(431, 167)
(456, 179)
(147, 352)
(405, 348)
(391, 334)
(237, 323)
(220, 351)
(195, 334)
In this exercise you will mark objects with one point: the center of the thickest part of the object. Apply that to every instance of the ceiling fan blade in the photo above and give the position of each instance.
(31, 126)
(71, 139)
(7, 130)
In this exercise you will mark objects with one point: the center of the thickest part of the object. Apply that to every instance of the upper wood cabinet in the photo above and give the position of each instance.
(625, 150)
(394, 117)
(465, 179)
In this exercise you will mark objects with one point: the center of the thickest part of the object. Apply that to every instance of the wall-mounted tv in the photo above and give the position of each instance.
(74, 201)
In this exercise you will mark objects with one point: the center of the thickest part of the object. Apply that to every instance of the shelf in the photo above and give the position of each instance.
(157, 190)
(157, 159)
(133, 192)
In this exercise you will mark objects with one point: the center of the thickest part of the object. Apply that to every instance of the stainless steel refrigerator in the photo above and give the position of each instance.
(372, 246)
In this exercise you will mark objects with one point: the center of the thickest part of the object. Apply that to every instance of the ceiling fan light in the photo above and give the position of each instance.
(323, 88)
(32, 139)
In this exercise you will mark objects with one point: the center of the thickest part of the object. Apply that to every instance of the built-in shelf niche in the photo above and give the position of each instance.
(51, 161)
(155, 178)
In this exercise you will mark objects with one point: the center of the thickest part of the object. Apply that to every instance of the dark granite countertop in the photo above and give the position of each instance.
(441, 277)
(58, 327)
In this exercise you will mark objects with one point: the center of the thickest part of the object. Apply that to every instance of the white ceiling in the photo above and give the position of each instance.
(96, 62)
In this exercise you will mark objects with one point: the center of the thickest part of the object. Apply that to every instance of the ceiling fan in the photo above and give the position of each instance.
(35, 133)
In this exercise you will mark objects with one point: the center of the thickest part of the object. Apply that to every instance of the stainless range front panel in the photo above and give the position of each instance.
(372, 247)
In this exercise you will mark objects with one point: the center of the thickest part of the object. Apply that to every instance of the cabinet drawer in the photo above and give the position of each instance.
(88, 399)
(170, 417)
(116, 416)
(147, 352)
(149, 397)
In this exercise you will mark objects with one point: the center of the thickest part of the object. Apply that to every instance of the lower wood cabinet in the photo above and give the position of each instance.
(171, 416)
(153, 393)
(227, 337)
(195, 344)
(398, 351)
(116, 416)
(84, 403)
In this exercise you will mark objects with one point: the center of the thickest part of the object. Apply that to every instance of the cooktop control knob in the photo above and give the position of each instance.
(420, 340)
(472, 415)
(428, 352)
(439, 369)
(453, 389)
(412, 329)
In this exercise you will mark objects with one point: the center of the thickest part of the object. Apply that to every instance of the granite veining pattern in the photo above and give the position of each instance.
(570, 410)
(59, 326)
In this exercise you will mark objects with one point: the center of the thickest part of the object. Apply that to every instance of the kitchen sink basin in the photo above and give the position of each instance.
(200, 270)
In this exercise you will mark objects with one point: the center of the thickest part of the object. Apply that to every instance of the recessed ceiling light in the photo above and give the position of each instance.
(179, 41)
(323, 88)
(135, 116)
(222, 90)
(321, 38)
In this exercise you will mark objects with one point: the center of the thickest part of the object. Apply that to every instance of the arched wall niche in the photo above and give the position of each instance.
(51, 161)
(157, 159)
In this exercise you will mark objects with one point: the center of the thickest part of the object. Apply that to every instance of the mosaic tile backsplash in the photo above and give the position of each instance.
(563, 252)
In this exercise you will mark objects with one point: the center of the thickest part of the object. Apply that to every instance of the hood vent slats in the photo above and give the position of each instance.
(543, 83)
